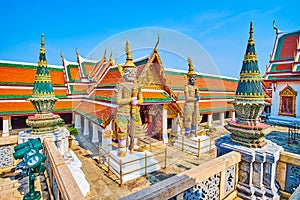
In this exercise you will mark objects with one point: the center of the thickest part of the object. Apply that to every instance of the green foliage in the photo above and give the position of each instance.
(206, 127)
(73, 131)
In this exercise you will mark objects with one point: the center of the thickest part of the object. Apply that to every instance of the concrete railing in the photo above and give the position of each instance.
(216, 179)
(288, 173)
(61, 181)
(7, 161)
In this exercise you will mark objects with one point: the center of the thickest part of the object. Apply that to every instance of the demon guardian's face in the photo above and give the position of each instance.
(192, 79)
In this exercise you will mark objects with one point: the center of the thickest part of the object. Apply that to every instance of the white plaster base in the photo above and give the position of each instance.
(75, 165)
(136, 165)
(204, 144)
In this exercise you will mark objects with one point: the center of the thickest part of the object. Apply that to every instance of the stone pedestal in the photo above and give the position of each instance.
(257, 170)
(60, 138)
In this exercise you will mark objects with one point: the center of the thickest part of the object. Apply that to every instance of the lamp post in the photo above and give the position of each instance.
(34, 163)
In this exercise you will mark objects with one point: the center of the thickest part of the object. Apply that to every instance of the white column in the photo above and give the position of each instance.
(221, 116)
(9, 123)
(5, 126)
(86, 129)
(232, 115)
(165, 125)
(209, 119)
(95, 137)
(77, 121)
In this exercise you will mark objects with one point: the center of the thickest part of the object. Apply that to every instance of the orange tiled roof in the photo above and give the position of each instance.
(11, 93)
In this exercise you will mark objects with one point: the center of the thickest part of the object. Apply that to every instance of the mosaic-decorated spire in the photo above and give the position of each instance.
(250, 83)
(249, 102)
(42, 84)
(129, 62)
(43, 98)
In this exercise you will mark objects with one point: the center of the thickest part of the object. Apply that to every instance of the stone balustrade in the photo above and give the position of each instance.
(288, 173)
(215, 179)
(7, 160)
(61, 181)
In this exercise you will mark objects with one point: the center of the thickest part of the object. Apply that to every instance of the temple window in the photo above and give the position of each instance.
(287, 105)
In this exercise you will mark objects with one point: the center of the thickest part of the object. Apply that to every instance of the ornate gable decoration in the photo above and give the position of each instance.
(288, 91)
(149, 77)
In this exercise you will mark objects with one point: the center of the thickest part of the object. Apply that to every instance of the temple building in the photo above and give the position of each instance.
(86, 94)
(283, 73)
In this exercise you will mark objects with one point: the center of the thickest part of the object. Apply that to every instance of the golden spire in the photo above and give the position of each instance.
(42, 50)
(191, 67)
(129, 63)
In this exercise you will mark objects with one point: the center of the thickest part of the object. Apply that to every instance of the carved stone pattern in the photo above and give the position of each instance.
(230, 180)
(207, 190)
(6, 156)
(292, 178)
(54, 188)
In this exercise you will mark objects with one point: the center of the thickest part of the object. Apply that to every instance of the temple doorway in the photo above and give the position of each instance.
(152, 115)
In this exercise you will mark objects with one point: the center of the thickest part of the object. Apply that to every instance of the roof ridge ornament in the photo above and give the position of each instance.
(104, 54)
(110, 55)
(275, 27)
(61, 55)
(157, 42)
(76, 51)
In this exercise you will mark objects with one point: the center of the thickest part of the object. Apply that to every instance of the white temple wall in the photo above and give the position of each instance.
(276, 97)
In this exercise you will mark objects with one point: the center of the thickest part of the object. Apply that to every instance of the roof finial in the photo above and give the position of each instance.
(158, 38)
(275, 28)
(191, 67)
(61, 55)
(76, 51)
(115, 60)
(110, 56)
(104, 54)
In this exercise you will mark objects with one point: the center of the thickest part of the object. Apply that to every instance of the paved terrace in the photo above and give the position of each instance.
(103, 186)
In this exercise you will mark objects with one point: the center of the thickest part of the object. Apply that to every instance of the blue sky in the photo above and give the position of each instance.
(220, 27)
